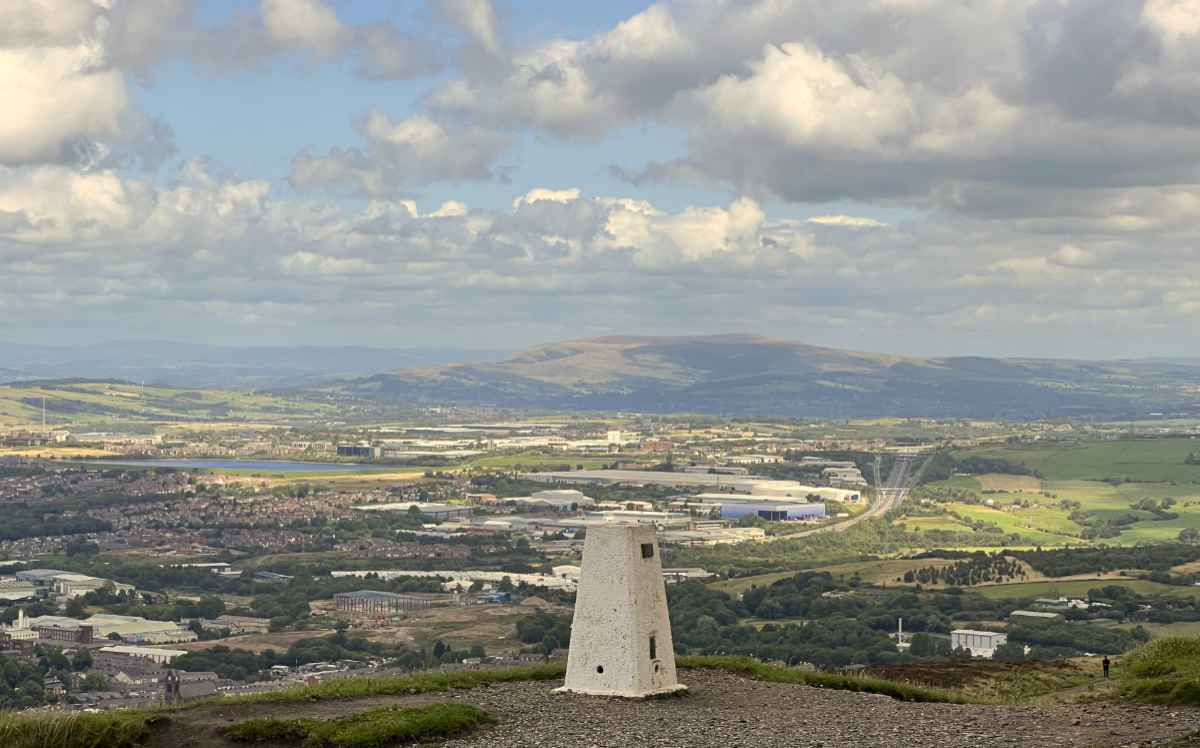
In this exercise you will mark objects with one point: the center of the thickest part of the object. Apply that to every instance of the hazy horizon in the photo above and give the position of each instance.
(503, 351)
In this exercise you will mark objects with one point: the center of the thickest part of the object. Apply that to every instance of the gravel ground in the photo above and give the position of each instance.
(728, 711)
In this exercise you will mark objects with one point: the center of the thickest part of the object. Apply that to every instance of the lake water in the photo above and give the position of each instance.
(263, 466)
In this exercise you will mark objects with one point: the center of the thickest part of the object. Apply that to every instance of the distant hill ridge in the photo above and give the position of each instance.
(182, 364)
(753, 375)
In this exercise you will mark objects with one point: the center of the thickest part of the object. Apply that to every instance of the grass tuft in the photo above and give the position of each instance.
(402, 685)
(1164, 671)
(121, 729)
(752, 668)
(373, 729)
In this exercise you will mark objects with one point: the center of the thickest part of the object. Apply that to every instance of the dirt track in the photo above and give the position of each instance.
(728, 711)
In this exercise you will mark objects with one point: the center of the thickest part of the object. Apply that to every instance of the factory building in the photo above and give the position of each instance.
(365, 451)
(101, 625)
(554, 500)
(812, 493)
(68, 584)
(756, 459)
(237, 625)
(658, 519)
(736, 483)
(847, 476)
(18, 631)
(14, 590)
(772, 511)
(77, 585)
(134, 661)
(371, 601)
(1025, 616)
(54, 631)
(718, 469)
(724, 484)
(978, 643)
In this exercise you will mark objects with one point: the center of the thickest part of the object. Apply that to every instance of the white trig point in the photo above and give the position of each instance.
(621, 635)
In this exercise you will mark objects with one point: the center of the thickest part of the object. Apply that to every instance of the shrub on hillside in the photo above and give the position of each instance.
(1166, 671)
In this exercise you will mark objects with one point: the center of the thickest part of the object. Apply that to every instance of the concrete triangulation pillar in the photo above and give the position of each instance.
(621, 635)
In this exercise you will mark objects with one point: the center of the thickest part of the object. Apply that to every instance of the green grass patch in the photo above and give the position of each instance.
(752, 668)
(966, 482)
(942, 523)
(75, 730)
(1080, 587)
(881, 571)
(403, 685)
(95, 403)
(738, 585)
(1030, 685)
(1147, 460)
(1105, 501)
(1035, 526)
(1162, 630)
(372, 729)
(1164, 671)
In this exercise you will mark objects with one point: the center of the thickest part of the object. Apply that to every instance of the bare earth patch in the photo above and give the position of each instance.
(1189, 568)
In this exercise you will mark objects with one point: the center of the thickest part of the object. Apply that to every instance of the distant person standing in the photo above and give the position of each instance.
(1105, 664)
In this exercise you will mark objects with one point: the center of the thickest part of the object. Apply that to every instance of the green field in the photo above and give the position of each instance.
(1049, 525)
(871, 572)
(1097, 495)
(1038, 525)
(1143, 460)
(1080, 587)
(961, 481)
(1107, 501)
(1106, 477)
(926, 524)
(741, 584)
(1161, 630)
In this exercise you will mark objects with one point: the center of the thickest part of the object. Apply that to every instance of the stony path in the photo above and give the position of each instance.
(727, 711)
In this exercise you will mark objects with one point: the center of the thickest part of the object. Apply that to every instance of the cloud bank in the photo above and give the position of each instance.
(1004, 176)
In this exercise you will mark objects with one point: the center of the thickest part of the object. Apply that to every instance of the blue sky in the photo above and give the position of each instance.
(257, 120)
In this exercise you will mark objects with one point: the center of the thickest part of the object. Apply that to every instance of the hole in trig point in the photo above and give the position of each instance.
(599, 668)
(647, 550)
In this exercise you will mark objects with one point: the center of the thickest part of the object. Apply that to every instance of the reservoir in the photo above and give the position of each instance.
(262, 466)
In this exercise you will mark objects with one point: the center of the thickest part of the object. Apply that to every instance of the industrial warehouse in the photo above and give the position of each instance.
(371, 601)
(726, 484)
(100, 626)
(772, 511)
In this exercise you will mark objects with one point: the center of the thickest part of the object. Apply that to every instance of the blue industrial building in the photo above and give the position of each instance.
(772, 511)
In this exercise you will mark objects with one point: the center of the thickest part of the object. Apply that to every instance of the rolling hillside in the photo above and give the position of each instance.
(747, 375)
(73, 403)
(189, 365)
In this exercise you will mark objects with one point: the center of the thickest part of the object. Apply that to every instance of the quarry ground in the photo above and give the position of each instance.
(728, 711)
